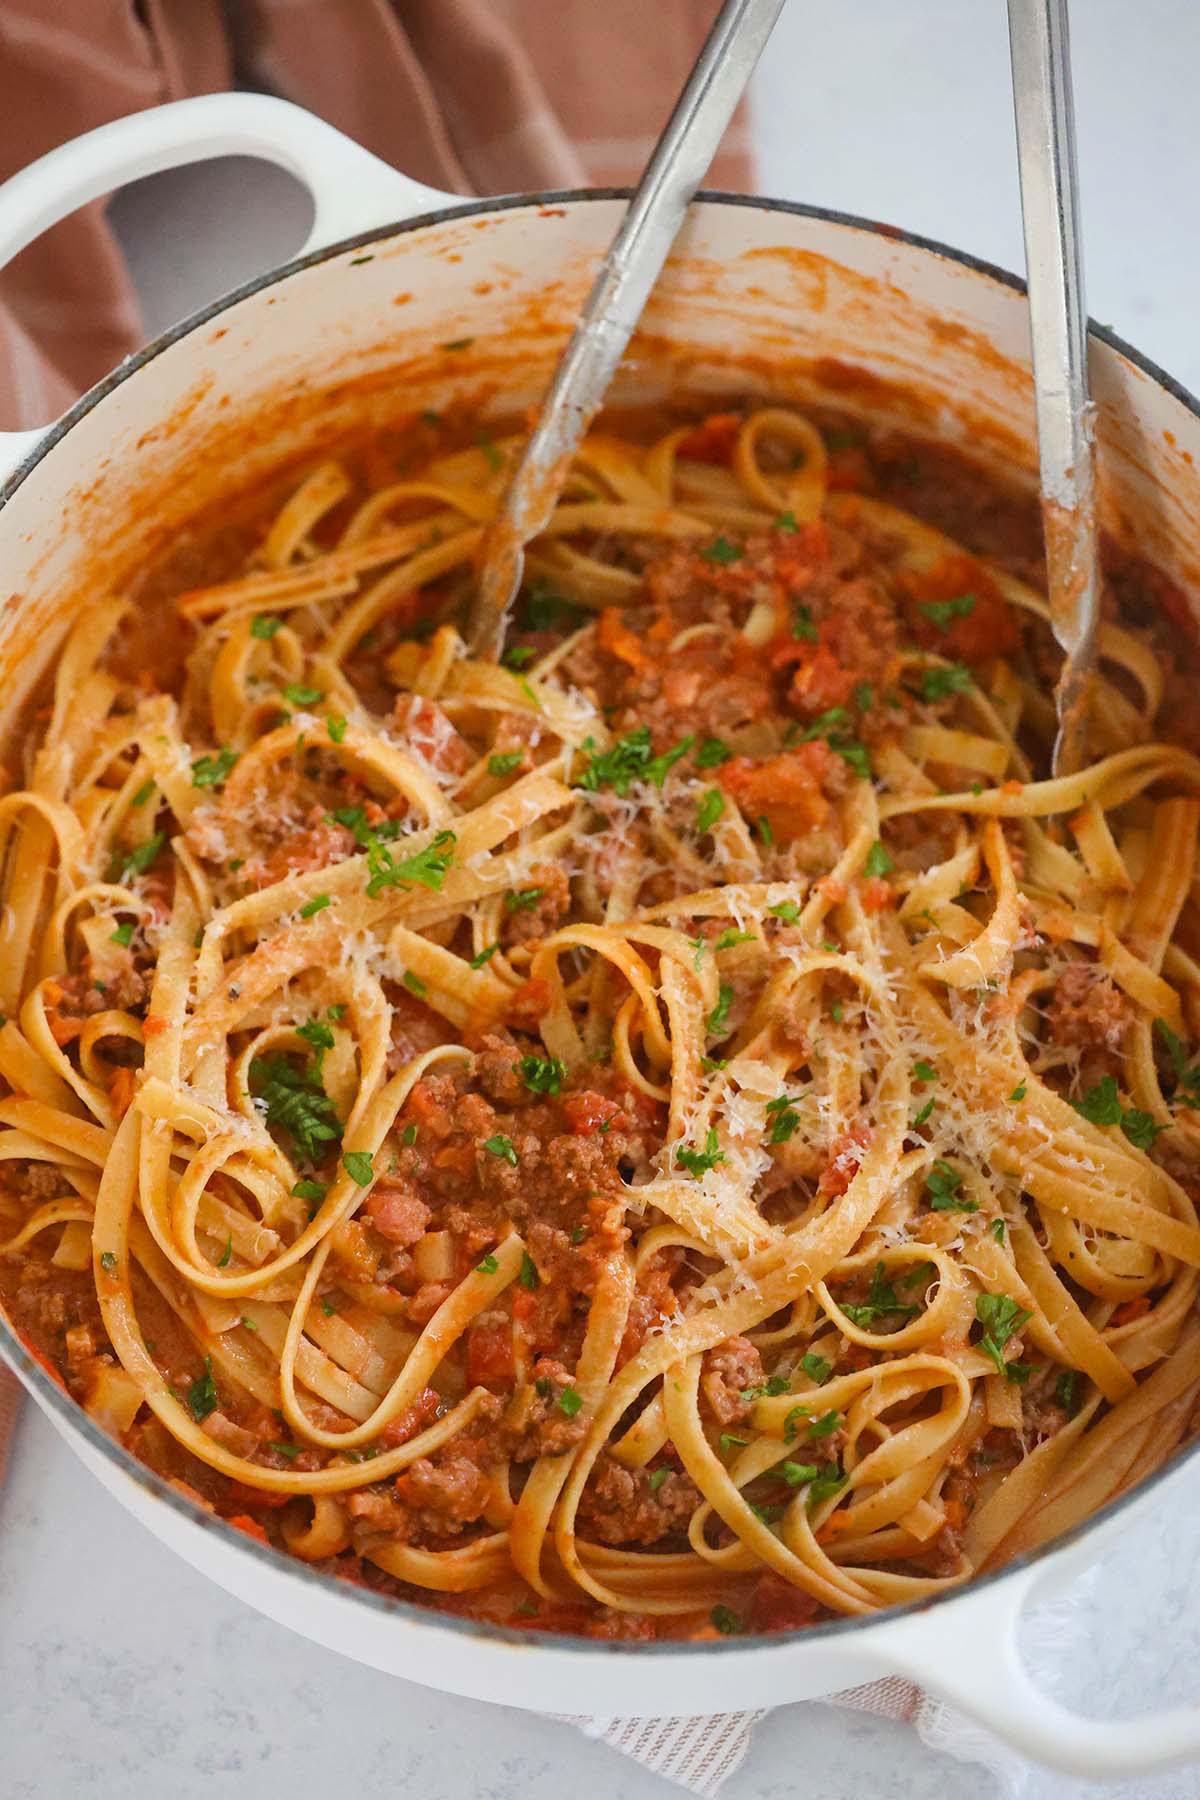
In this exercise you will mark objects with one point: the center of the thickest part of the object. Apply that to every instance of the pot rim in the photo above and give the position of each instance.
(54, 1399)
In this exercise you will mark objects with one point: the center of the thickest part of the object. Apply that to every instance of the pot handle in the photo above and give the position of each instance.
(352, 190)
(968, 1655)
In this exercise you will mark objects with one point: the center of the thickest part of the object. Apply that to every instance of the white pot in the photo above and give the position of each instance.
(756, 294)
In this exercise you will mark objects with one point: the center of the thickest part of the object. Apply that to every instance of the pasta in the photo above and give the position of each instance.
(687, 1129)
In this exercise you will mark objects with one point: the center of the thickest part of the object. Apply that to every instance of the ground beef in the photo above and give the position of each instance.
(620, 1507)
(536, 1424)
(415, 1027)
(379, 1512)
(71, 999)
(448, 1491)
(1089, 1013)
(729, 1369)
(497, 1070)
(533, 910)
(32, 1180)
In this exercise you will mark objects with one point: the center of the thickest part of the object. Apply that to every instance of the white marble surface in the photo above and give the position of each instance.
(123, 1675)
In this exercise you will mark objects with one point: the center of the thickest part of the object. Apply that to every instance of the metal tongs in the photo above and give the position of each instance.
(622, 286)
(1045, 114)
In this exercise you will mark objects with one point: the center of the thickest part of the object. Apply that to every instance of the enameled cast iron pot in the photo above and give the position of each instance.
(787, 299)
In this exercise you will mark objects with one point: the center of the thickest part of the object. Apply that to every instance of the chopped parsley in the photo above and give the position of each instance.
(529, 1275)
(143, 794)
(427, 868)
(1187, 1080)
(295, 1101)
(786, 1120)
(336, 724)
(618, 766)
(786, 521)
(108, 1262)
(354, 818)
(265, 625)
(358, 1166)
(762, 827)
(942, 1184)
(796, 1474)
(830, 1481)
(136, 862)
(878, 862)
(709, 810)
(542, 1075)
(722, 551)
(729, 938)
(488, 1266)
(317, 904)
(1140, 1128)
(941, 612)
(318, 1034)
(544, 610)
(730, 1441)
(657, 1478)
(409, 1134)
(311, 1190)
(699, 1162)
(485, 955)
(712, 753)
(715, 1024)
(817, 1368)
(658, 767)
(518, 656)
(1018, 1093)
(881, 1300)
(570, 1401)
(211, 771)
(939, 684)
(727, 1622)
(787, 910)
(505, 763)
(803, 626)
(1000, 1317)
(926, 1111)
(829, 725)
(924, 1071)
(522, 900)
(227, 1253)
(123, 934)
(414, 984)
(500, 1145)
(773, 1385)
(202, 1395)
(1066, 1391)
(1101, 1105)
(793, 1420)
(997, 1230)
(297, 694)
(825, 1425)
(492, 456)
